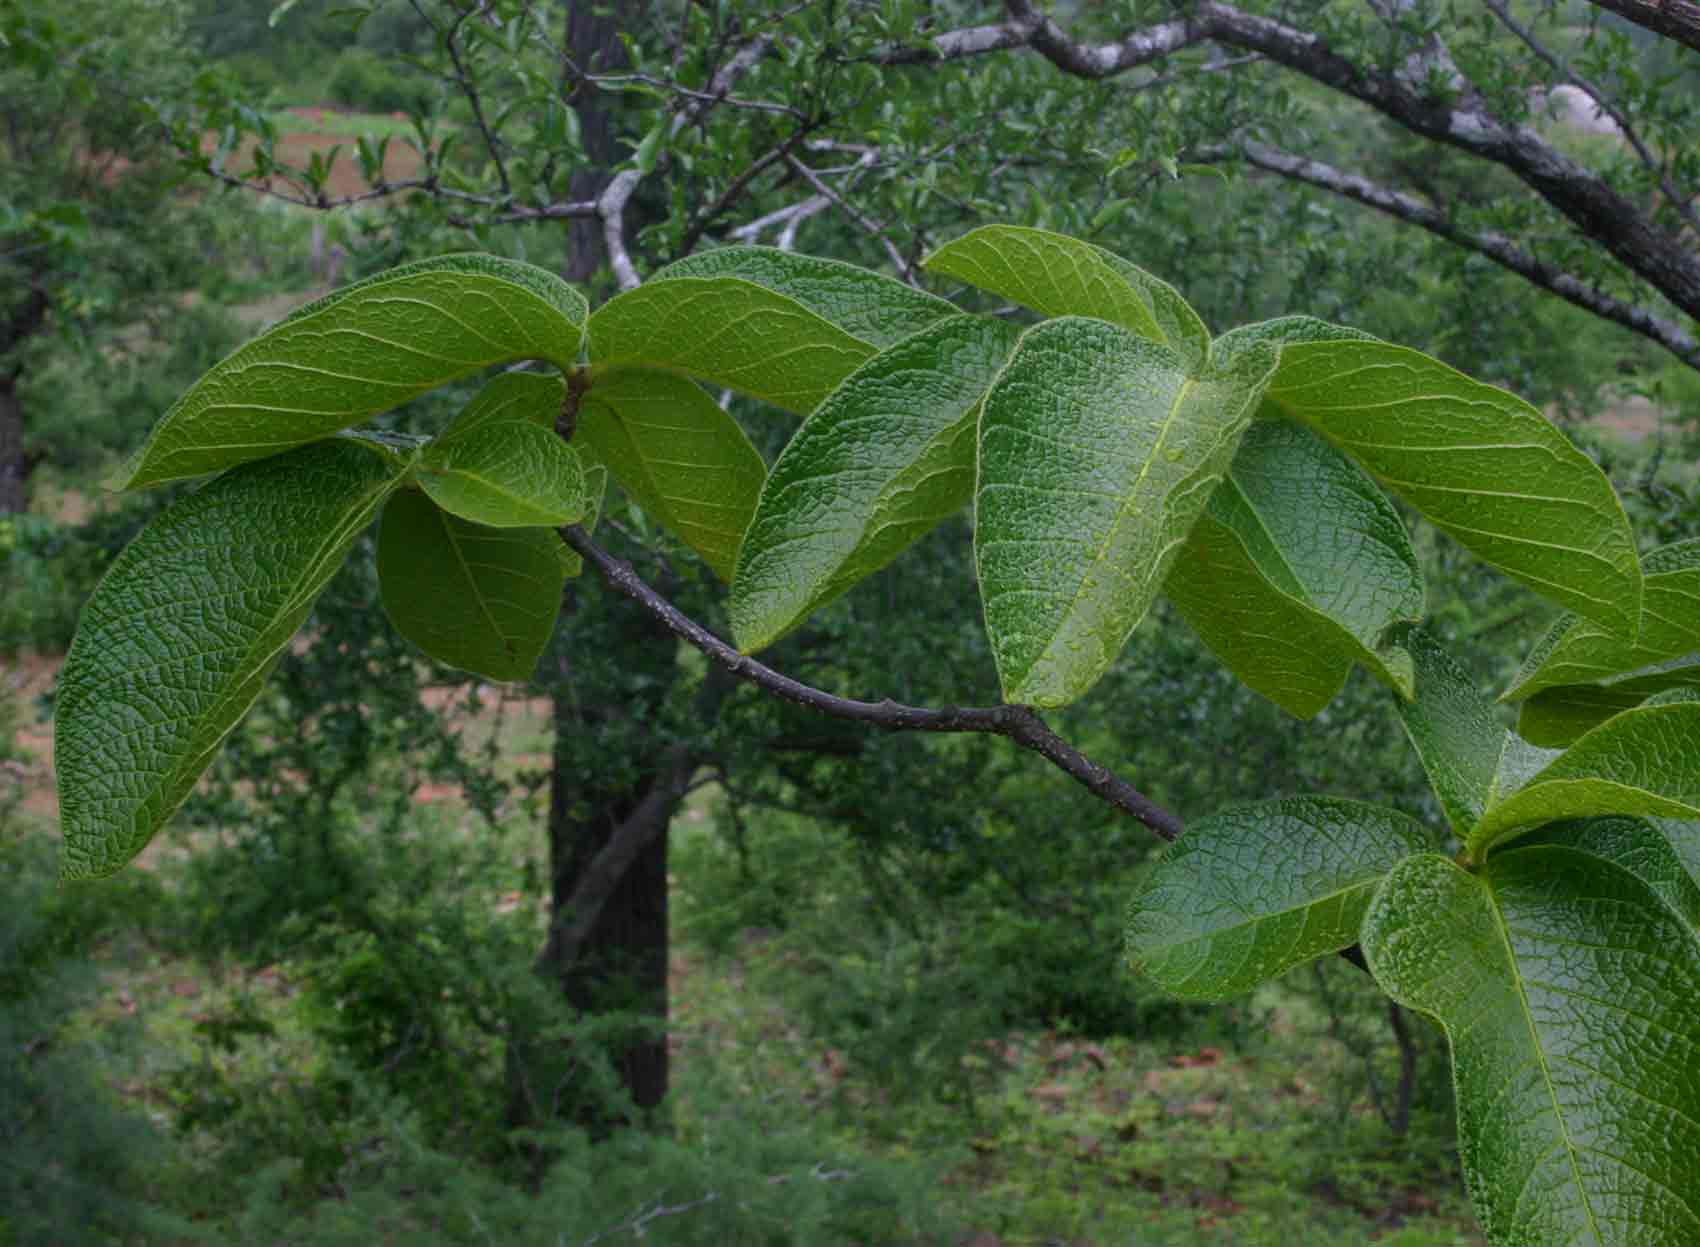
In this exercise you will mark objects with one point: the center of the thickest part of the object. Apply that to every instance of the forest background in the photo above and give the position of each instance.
(863, 988)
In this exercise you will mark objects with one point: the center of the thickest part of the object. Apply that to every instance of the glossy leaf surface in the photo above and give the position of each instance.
(1247, 894)
(1297, 569)
(728, 332)
(1061, 276)
(1566, 989)
(883, 460)
(176, 642)
(1479, 463)
(680, 456)
(478, 598)
(1098, 450)
(1471, 759)
(871, 306)
(1581, 674)
(505, 474)
(366, 348)
(1644, 762)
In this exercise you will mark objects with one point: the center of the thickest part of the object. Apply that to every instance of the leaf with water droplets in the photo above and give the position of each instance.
(1566, 989)
(1246, 894)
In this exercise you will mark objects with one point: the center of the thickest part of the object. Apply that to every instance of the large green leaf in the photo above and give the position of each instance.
(726, 331)
(482, 599)
(1643, 762)
(679, 454)
(1470, 757)
(871, 306)
(1098, 450)
(515, 395)
(1581, 673)
(175, 643)
(505, 474)
(367, 348)
(1567, 989)
(1297, 569)
(1246, 894)
(884, 459)
(1062, 276)
(1479, 463)
(1644, 847)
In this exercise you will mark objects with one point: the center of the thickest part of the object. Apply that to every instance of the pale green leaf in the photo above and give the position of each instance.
(1642, 762)
(1246, 894)
(1644, 847)
(1566, 989)
(481, 599)
(366, 348)
(1479, 463)
(1297, 569)
(1061, 276)
(680, 456)
(728, 332)
(533, 396)
(505, 474)
(1097, 451)
(879, 310)
(595, 491)
(883, 460)
(176, 642)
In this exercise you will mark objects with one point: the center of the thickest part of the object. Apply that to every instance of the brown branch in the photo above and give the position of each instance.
(1674, 19)
(1020, 724)
(1495, 246)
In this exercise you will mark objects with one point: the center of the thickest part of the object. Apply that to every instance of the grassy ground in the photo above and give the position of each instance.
(1188, 1140)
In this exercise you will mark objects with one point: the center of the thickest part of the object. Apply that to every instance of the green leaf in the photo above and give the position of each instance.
(679, 455)
(175, 643)
(1479, 463)
(879, 310)
(1061, 276)
(883, 460)
(1247, 894)
(533, 396)
(1297, 569)
(1566, 989)
(1642, 846)
(1470, 758)
(1581, 674)
(481, 599)
(726, 331)
(505, 474)
(1645, 761)
(1097, 452)
(367, 348)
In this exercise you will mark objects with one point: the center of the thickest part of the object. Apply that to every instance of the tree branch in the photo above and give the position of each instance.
(1586, 200)
(1496, 247)
(1674, 19)
(1020, 724)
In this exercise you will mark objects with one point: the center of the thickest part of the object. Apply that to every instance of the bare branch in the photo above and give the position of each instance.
(904, 269)
(1020, 724)
(1496, 247)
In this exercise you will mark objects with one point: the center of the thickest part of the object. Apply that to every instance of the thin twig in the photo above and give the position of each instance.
(1020, 724)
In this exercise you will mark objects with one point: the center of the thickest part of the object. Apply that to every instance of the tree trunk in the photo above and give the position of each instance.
(593, 41)
(16, 463)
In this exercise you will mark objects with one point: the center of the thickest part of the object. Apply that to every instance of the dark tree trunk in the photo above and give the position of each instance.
(593, 42)
(17, 461)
